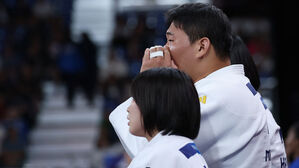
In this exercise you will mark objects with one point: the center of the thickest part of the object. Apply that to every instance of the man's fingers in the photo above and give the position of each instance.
(167, 56)
(156, 48)
(146, 55)
(156, 56)
(156, 52)
(159, 48)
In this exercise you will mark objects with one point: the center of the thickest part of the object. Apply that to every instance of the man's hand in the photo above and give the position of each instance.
(165, 61)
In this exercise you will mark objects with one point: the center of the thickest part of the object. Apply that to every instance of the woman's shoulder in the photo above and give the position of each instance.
(183, 152)
(172, 151)
(176, 147)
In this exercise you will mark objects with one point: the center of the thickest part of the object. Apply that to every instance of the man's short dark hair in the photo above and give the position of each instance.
(168, 102)
(200, 20)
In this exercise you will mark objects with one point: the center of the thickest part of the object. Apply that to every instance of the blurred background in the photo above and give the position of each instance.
(66, 64)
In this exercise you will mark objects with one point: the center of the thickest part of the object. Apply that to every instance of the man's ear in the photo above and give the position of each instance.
(202, 47)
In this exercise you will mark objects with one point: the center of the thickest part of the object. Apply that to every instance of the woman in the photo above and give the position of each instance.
(165, 110)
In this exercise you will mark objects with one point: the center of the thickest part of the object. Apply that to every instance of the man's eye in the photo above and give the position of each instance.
(170, 40)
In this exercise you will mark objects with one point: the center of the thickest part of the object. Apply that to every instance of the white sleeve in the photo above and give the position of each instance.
(118, 118)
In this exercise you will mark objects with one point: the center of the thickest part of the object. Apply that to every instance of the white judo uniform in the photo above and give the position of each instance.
(169, 151)
(237, 129)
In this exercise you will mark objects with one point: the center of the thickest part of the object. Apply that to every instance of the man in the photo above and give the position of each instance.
(292, 145)
(237, 128)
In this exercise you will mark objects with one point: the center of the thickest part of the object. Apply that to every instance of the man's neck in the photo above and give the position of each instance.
(210, 68)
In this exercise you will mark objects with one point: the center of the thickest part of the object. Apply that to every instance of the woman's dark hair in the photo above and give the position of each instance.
(168, 102)
(200, 20)
(241, 55)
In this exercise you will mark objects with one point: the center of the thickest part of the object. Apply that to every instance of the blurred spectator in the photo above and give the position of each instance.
(2, 103)
(20, 10)
(115, 74)
(54, 47)
(141, 38)
(121, 33)
(292, 145)
(71, 66)
(42, 9)
(3, 14)
(14, 143)
(88, 50)
(2, 135)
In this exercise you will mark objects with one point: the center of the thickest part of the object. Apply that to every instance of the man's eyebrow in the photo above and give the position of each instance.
(169, 33)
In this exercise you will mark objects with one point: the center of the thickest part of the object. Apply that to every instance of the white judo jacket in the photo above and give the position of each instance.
(237, 129)
(169, 151)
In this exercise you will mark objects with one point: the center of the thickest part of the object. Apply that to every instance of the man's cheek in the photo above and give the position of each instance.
(175, 53)
(171, 47)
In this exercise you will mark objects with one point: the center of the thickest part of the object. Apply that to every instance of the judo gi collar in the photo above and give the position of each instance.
(231, 69)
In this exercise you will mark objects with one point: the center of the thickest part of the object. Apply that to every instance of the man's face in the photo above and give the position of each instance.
(135, 120)
(291, 142)
(182, 52)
